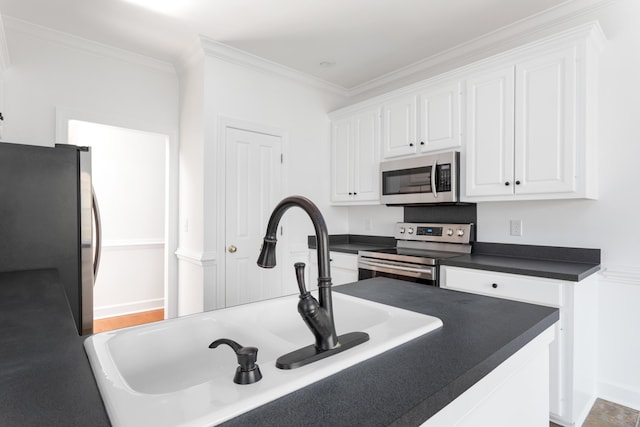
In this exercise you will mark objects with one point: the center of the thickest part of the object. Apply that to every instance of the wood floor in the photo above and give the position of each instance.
(603, 413)
(111, 323)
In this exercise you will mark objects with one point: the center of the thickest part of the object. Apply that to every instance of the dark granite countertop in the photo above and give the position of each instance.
(572, 264)
(46, 378)
(562, 263)
(407, 385)
(352, 243)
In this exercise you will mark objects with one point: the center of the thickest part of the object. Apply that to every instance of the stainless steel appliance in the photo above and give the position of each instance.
(46, 219)
(426, 179)
(418, 252)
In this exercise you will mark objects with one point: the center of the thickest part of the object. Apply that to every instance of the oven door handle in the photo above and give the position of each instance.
(398, 267)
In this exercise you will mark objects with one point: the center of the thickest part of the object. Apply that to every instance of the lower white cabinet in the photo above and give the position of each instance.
(344, 268)
(572, 355)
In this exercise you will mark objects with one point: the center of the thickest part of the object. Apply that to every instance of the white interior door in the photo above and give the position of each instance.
(253, 188)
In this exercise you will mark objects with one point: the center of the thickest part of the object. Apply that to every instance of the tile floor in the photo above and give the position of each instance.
(608, 414)
(603, 413)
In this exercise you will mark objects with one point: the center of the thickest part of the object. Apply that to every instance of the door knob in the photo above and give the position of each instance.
(232, 249)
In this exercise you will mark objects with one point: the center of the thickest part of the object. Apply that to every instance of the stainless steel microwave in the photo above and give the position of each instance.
(424, 179)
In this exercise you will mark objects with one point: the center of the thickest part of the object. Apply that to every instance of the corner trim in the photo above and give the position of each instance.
(201, 259)
(521, 32)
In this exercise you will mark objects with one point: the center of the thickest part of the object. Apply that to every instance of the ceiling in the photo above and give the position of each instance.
(344, 42)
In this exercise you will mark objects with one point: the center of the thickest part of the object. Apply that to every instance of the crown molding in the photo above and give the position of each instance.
(518, 33)
(236, 56)
(5, 60)
(85, 45)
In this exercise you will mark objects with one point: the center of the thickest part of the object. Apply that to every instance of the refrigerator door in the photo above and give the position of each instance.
(86, 203)
(43, 211)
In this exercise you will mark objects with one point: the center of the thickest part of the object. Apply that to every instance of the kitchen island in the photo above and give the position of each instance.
(46, 378)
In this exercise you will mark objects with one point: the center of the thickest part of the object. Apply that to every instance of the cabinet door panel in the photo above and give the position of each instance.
(366, 153)
(440, 118)
(399, 126)
(489, 130)
(545, 123)
(341, 159)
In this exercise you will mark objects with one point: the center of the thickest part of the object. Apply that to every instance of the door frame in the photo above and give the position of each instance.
(211, 296)
(128, 121)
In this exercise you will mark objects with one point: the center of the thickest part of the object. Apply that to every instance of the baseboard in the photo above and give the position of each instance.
(620, 394)
(127, 308)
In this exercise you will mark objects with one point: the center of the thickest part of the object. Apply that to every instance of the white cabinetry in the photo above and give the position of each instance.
(399, 134)
(572, 363)
(422, 121)
(344, 268)
(528, 126)
(355, 158)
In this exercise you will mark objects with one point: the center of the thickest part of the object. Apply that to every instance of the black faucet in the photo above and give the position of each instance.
(317, 315)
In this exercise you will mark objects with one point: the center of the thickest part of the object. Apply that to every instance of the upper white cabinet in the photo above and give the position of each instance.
(355, 158)
(425, 120)
(528, 127)
(524, 122)
(399, 127)
(489, 133)
(440, 117)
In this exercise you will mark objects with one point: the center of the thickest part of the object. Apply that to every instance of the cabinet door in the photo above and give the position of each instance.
(489, 133)
(341, 160)
(545, 139)
(366, 156)
(440, 117)
(399, 126)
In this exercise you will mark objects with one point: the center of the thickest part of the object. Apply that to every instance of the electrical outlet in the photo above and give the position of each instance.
(516, 227)
(368, 224)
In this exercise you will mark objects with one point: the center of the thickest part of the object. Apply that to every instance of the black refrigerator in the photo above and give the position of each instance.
(47, 219)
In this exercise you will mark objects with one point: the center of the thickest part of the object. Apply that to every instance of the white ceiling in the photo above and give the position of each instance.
(363, 39)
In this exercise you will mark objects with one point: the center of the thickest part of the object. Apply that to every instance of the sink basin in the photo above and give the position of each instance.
(164, 374)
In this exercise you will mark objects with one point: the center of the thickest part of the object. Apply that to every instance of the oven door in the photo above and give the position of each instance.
(407, 271)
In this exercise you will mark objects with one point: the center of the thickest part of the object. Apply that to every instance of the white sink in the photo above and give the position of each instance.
(164, 374)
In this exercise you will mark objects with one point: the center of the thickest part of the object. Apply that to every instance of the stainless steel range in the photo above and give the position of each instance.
(419, 249)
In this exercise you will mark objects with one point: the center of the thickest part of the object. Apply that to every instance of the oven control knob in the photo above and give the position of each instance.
(460, 232)
(450, 232)
(402, 230)
(410, 230)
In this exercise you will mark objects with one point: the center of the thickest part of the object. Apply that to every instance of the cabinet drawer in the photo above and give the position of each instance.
(342, 260)
(502, 285)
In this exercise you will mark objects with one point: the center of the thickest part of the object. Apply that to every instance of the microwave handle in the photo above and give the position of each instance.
(434, 177)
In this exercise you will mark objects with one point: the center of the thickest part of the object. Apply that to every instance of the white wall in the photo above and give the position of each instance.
(260, 98)
(54, 77)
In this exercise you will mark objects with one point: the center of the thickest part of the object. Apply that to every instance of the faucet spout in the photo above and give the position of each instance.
(326, 337)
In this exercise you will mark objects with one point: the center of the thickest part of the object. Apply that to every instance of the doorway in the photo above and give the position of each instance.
(129, 172)
(253, 187)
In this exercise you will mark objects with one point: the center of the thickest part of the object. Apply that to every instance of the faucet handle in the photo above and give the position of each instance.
(299, 266)
(248, 372)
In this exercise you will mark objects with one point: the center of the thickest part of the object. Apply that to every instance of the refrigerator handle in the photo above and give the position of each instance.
(98, 223)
